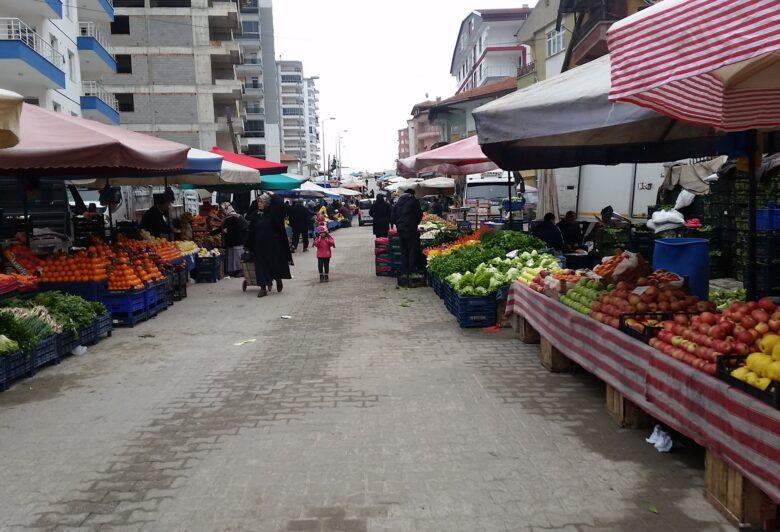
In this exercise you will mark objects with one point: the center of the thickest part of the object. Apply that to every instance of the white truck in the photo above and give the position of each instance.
(629, 188)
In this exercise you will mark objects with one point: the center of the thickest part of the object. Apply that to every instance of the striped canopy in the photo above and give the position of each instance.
(711, 62)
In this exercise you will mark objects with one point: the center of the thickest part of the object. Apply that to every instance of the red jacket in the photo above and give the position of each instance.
(323, 245)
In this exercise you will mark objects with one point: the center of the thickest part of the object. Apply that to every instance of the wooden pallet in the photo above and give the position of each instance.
(736, 497)
(552, 359)
(624, 412)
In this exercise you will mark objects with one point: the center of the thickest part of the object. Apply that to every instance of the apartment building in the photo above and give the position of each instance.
(403, 143)
(486, 49)
(258, 75)
(54, 53)
(175, 75)
(312, 114)
(300, 117)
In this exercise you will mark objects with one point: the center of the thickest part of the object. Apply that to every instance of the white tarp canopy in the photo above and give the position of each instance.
(568, 121)
(345, 191)
(309, 188)
(434, 186)
(10, 115)
(403, 185)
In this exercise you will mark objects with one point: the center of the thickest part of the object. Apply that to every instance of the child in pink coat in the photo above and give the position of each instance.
(323, 242)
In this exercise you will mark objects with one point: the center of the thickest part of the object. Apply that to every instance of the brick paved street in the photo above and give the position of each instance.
(369, 409)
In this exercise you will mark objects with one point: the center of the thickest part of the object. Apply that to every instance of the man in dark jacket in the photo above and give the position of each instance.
(572, 233)
(155, 219)
(300, 220)
(436, 207)
(407, 215)
(380, 216)
(549, 233)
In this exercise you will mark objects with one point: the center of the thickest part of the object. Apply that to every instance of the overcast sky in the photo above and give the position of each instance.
(375, 60)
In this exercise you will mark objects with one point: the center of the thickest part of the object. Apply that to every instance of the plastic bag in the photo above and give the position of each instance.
(629, 262)
(684, 199)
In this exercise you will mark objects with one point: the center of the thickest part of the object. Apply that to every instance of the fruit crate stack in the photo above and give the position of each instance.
(473, 311)
(180, 280)
(85, 229)
(382, 257)
(396, 258)
(208, 269)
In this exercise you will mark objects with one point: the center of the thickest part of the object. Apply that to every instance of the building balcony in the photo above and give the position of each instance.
(228, 47)
(98, 104)
(252, 89)
(526, 70)
(255, 113)
(96, 10)
(259, 134)
(94, 54)
(27, 61)
(248, 6)
(34, 11)
(249, 68)
(247, 141)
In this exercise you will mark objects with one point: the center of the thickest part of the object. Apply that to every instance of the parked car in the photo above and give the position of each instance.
(364, 206)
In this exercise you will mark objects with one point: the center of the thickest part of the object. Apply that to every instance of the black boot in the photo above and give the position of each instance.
(279, 285)
(262, 293)
(322, 277)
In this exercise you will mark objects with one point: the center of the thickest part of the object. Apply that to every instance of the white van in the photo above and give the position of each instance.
(486, 191)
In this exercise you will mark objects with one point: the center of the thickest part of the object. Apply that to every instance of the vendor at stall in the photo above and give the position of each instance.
(571, 231)
(549, 233)
(155, 220)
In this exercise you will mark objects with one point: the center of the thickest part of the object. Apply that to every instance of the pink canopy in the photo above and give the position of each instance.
(459, 158)
(711, 62)
(55, 144)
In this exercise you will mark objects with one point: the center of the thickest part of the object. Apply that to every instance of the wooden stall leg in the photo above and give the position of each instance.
(624, 412)
(736, 497)
(523, 330)
(502, 320)
(552, 359)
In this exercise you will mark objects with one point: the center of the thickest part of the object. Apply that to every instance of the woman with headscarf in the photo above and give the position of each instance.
(267, 239)
(233, 228)
(380, 215)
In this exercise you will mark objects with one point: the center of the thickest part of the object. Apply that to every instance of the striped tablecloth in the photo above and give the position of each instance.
(740, 429)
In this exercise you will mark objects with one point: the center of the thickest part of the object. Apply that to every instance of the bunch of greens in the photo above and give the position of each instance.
(495, 273)
(445, 236)
(512, 240)
(7, 346)
(463, 259)
(724, 298)
(68, 311)
(24, 326)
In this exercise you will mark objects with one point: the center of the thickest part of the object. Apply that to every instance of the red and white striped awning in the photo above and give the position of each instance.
(712, 62)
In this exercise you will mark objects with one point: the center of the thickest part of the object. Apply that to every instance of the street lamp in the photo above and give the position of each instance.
(325, 146)
(338, 156)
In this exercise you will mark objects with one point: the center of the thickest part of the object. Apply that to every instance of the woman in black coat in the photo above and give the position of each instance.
(380, 215)
(268, 241)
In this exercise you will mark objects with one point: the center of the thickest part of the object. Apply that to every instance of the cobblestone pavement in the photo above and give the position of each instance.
(369, 409)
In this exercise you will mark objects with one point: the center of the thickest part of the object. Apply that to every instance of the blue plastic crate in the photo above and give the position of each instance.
(45, 352)
(129, 319)
(88, 291)
(475, 311)
(67, 341)
(16, 366)
(86, 335)
(103, 326)
(767, 219)
(127, 302)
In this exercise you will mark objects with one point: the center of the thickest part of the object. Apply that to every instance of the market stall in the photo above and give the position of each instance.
(740, 428)
(459, 158)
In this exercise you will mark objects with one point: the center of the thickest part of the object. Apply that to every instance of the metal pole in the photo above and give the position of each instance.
(25, 210)
(509, 186)
(110, 221)
(751, 259)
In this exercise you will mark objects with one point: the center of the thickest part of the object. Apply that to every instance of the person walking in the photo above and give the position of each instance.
(380, 214)
(323, 242)
(267, 239)
(407, 215)
(300, 221)
(234, 228)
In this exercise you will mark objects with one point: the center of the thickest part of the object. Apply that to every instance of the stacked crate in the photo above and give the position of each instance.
(382, 257)
(396, 257)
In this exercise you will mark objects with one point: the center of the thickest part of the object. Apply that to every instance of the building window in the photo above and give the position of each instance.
(257, 150)
(121, 25)
(57, 107)
(554, 42)
(291, 78)
(55, 44)
(71, 66)
(250, 27)
(125, 102)
(128, 3)
(124, 64)
(292, 111)
(66, 5)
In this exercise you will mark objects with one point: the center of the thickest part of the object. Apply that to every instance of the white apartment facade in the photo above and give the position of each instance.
(257, 73)
(487, 49)
(54, 53)
(300, 115)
